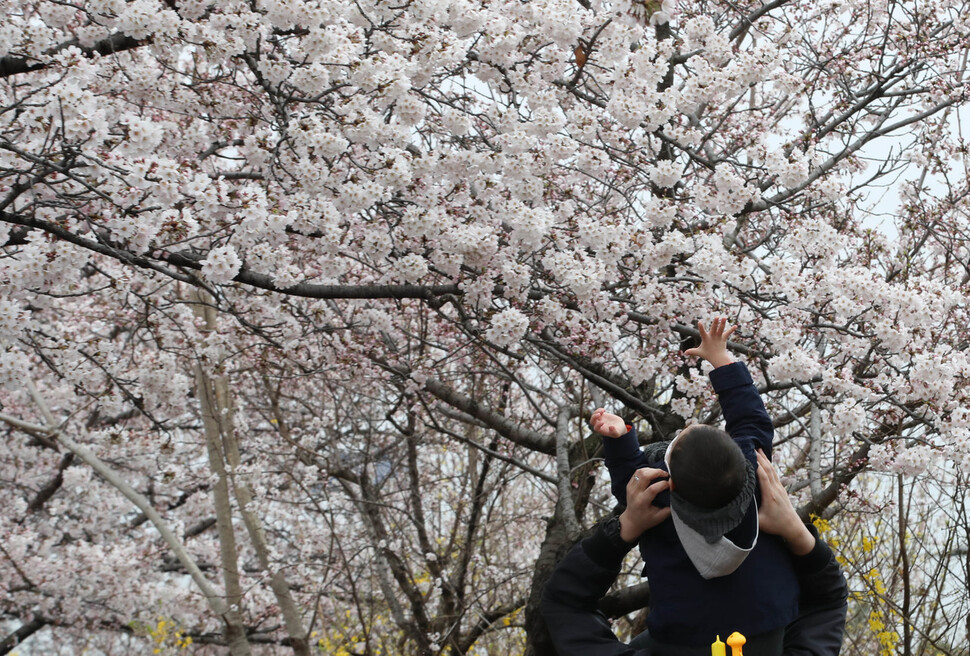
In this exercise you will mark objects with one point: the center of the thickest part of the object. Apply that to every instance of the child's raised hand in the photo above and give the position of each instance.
(606, 424)
(713, 346)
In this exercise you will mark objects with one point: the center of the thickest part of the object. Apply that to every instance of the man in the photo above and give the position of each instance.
(570, 599)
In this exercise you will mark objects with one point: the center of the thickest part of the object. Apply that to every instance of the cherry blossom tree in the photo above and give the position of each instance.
(304, 302)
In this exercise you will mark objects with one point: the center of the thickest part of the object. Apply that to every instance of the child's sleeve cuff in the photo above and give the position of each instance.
(730, 376)
(624, 447)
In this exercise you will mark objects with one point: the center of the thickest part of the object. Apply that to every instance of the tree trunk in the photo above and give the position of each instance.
(221, 433)
(235, 630)
(554, 547)
(559, 539)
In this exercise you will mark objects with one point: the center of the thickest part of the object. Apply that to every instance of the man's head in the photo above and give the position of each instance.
(706, 467)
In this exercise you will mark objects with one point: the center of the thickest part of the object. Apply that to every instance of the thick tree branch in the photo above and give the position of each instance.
(53, 486)
(13, 65)
(26, 630)
(625, 601)
(212, 595)
(565, 504)
(193, 263)
(504, 426)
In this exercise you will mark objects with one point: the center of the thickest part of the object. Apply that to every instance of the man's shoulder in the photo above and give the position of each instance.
(654, 453)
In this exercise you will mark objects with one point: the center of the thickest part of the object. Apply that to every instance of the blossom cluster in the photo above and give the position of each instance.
(221, 265)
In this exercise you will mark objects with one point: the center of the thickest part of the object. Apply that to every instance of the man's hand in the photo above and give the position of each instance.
(776, 514)
(713, 346)
(607, 424)
(640, 513)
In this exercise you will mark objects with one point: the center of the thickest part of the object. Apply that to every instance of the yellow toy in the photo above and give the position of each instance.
(735, 640)
(717, 648)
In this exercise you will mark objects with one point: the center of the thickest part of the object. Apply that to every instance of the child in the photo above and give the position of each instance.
(710, 572)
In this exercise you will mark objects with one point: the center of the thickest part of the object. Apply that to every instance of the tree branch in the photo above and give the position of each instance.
(626, 600)
(25, 631)
(53, 486)
(12, 65)
(504, 426)
(193, 262)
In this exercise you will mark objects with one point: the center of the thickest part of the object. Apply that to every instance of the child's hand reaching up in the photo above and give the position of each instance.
(606, 424)
(713, 346)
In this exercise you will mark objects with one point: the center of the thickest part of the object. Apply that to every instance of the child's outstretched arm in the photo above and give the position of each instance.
(713, 346)
(745, 417)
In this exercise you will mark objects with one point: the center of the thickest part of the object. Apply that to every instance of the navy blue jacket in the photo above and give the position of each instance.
(686, 609)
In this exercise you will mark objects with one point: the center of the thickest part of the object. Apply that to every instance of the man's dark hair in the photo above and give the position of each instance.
(707, 467)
